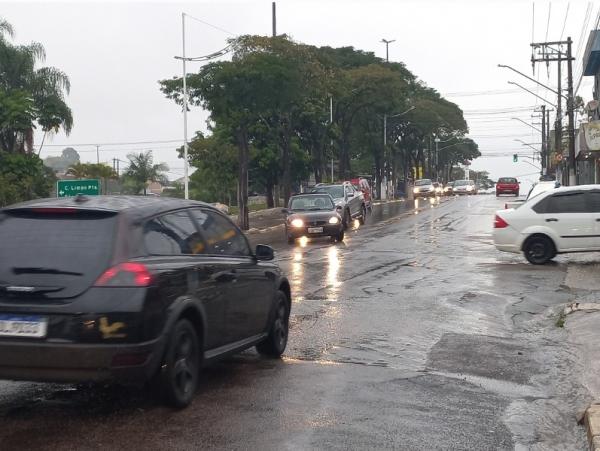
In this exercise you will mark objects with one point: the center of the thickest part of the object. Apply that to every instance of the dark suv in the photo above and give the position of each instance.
(132, 290)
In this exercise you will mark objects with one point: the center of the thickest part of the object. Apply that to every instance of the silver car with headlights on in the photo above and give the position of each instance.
(313, 215)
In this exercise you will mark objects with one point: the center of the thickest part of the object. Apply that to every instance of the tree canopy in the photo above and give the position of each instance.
(272, 103)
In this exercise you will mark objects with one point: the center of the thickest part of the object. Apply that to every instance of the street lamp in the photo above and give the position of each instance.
(387, 43)
(531, 92)
(184, 59)
(526, 123)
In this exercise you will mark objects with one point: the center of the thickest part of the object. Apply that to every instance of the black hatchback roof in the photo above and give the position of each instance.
(136, 206)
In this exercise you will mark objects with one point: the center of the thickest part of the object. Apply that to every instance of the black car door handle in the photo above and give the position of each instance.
(225, 277)
(551, 220)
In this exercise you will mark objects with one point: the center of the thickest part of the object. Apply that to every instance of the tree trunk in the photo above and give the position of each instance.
(243, 155)
(270, 200)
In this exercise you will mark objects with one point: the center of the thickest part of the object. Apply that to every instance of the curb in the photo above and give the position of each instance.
(592, 425)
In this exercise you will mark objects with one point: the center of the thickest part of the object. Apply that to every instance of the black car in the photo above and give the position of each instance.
(132, 290)
(313, 215)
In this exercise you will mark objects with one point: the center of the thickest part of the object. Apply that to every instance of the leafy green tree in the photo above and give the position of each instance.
(29, 96)
(141, 171)
(23, 177)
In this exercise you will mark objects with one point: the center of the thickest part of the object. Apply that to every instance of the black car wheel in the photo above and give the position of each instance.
(340, 236)
(539, 250)
(291, 240)
(276, 341)
(363, 215)
(181, 365)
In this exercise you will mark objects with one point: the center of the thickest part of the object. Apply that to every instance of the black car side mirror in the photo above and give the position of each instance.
(264, 253)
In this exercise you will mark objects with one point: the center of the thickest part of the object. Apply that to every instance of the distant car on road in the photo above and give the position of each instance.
(448, 189)
(349, 198)
(130, 290)
(464, 187)
(424, 188)
(313, 215)
(507, 185)
(536, 189)
(556, 221)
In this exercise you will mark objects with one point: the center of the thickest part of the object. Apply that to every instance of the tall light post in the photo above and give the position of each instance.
(185, 108)
(331, 141)
(387, 42)
(437, 149)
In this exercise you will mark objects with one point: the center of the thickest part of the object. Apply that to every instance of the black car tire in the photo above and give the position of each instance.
(539, 250)
(275, 343)
(181, 365)
(291, 240)
(340, 236)
(363, 215)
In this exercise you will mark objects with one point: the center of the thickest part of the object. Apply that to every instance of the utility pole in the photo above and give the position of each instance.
(274, 14)
(387, 43)
(548, 138)
(552, 51)
(97, 154)
(573, 179)
(185, 108)
(544, 143)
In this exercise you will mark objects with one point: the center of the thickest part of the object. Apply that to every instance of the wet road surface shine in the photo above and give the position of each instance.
(414, 333)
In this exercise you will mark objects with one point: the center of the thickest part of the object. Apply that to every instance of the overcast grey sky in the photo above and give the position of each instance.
(115, 52)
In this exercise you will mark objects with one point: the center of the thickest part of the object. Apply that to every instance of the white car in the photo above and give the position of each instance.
(464, 187)
(557, 221)
(424, 188)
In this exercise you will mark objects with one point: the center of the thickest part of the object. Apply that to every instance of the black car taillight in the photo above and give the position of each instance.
(127, 274)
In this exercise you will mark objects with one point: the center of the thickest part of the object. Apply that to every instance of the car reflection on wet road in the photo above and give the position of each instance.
(414, 333)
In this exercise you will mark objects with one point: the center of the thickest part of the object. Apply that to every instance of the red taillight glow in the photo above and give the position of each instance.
(499, 223)
(127, 274)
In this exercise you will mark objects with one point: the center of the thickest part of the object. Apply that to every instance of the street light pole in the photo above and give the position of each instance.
(387, 43)
(331, 141)
(185, 108)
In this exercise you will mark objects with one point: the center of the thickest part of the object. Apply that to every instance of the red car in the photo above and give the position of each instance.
(507, 185)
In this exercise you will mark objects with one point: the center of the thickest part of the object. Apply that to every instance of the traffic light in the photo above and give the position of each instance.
(515, 158)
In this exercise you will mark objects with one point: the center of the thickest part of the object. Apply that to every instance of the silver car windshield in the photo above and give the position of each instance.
(312, 202)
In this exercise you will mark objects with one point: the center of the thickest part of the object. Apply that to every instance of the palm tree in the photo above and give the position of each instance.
(29, 96)
(141, 170)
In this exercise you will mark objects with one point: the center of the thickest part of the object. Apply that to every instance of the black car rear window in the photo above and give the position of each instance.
(507, 180)
(66, 251)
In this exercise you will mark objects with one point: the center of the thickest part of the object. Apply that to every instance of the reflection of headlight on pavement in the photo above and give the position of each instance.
(297, 223)
(415, 190)
(333, 220)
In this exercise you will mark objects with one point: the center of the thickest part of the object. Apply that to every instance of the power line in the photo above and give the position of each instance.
(565, 22)
(114, 143)
(210, 25)
(549, 14)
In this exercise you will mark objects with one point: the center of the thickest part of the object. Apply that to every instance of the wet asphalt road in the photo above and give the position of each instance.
(412, 334)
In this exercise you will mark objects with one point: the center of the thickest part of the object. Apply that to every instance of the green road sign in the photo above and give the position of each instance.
(67, 188)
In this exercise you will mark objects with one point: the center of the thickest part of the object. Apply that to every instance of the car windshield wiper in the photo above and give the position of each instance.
(40, 270)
